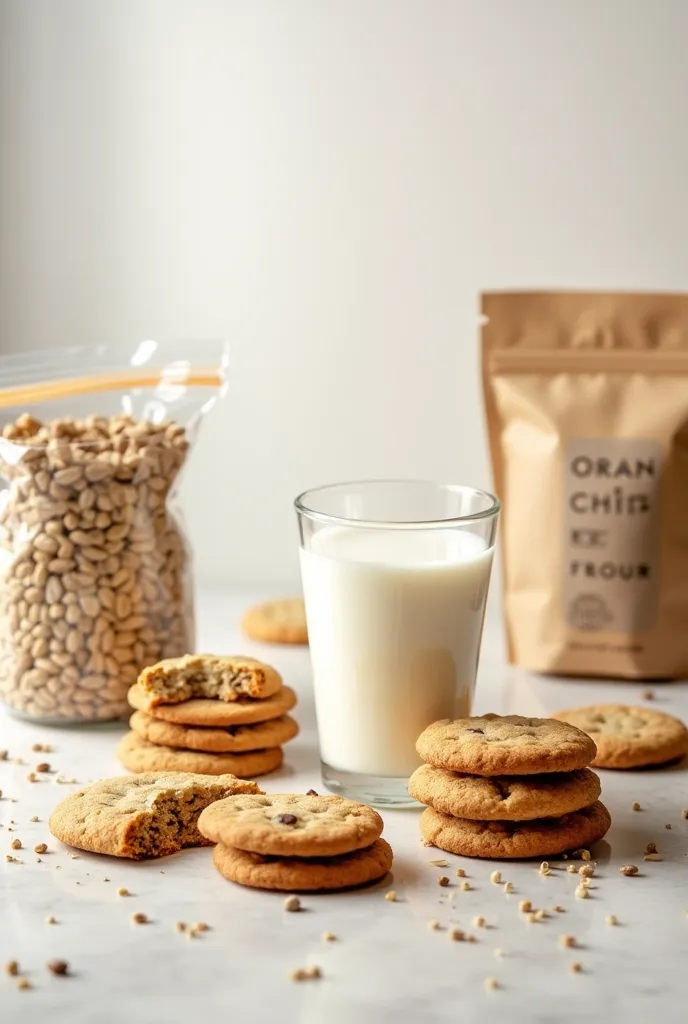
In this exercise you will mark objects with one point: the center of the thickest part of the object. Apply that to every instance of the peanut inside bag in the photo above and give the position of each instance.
(587, 409)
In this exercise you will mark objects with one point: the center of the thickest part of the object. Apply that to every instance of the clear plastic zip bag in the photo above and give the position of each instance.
(95, 568)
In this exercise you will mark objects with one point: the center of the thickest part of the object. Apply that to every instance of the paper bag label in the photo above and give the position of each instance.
(611, 545)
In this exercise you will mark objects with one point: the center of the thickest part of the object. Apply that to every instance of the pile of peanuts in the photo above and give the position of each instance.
(93, 566)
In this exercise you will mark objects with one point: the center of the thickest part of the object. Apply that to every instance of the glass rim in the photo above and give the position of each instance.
(493, 509)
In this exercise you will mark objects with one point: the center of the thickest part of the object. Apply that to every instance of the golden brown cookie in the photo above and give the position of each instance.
(628, 737)
(293, 874)
(293, 825)
(226, 678)
(139, 755)
(149, 815)
(277, 622)
(213, 712)
(504, 840)
(504, 797)
(505, 745)
(234, 739)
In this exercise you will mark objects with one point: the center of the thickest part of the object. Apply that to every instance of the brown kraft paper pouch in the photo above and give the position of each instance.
(587, 409)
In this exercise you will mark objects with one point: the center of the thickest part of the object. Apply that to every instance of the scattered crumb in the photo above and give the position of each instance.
(35, 817)
(456, 935)
(499, 953)
(575, 967)
(479, 921)
(38, 860)
(496, 877)
(74, 856)
(11, 967)
(582, 892)
(585, 855)
(491, 984)
(636, 806)
(23, 984)
(465, 886)
(50, 919)
(292, 903)
(572, 869)
(41, 848)
(651, 848)
(11, 860)
(441, 863)
(32, 777)
(200, 926)
(525, 906)
(391, 896)
(668, 825)
(58, 966)
(530, 917)
(3, 755)
(540, 915)
(611, 919)
(460, 873)
(443, 880)
(628, 869)
(544, 868)
(43, 767)
(471, 938)
(16, 844)
(586, 870)
(304, 974)
(567, 941)
(122, 891)
(684, 812)
(557, 909)
(329, 937)
(509, 887)
(139, 918)
(648, 695)
(180, 926)
(434, 926)
(653, 856)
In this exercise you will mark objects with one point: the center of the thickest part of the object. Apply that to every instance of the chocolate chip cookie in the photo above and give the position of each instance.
(212, 712)
(226, 678)
(138, 755)
(232, 739)
(629, 737)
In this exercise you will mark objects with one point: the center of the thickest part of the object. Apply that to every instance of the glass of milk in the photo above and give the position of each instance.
(395, 579)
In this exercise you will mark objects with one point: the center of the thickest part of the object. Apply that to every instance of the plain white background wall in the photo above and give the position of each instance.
(330, 183)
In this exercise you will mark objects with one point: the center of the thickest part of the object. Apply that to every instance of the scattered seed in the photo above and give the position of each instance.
(557, 909)
(139, 918)
(43, 767)
(496, 877)
(465, 886)
(576, 967)
(58, 966)
(122, 891)
(479, 921)
(11, 860)
(572, 869)
(329, 937)
(292, 903)
(50, 919)
(434, 926)
(200, 926)
(41, 848)
(35, 817)
(180, 926)
(304, 974)
(525, 906)
(471, 938)
(11, 967)
(628, 869)
(456, 935)
(651, 848)
(509, 887)
(582, 892)
(499, 953)
(31, 777)
(585, 855)
(23, 984)
(567, 941)
(441, 863)
(668, 825)
(653, 856)
(460, 873)
(491, 984)
(648, 695)
(443, 880)
(16, 844)
(636, 806)
(611, 919)
(3, 755)
(684, 812)
(586, 871)
(544, 868)
(540, 915)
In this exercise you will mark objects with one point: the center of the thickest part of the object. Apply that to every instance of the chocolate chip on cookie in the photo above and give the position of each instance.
(292, 825)
(233, 739)
(505, 745)
(629, 737)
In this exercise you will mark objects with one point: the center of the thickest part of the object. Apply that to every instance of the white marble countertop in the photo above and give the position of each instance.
(386, 965)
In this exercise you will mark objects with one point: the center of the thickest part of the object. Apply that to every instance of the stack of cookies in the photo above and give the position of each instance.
(296, 842)
(209, 715)
(508, 787)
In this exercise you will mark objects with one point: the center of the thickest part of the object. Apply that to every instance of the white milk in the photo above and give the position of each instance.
(394, 625)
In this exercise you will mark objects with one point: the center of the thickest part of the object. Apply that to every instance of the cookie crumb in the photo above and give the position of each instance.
(139, 918)
(479, 921)
(329, 937)
(122, 891)
(35, 817)
(42, 767)
(292, 903)
(456, 935)
(471, 938)
(684, 813)
(567, 941)
(23, 984)
(628, 869)
(541, 914)
(443, 880)
(11, 860)
(32, 777)
(544, 868)
(651, 848)
(180, 926)
(525, 906)
(648, 695)
(391, 896)
(557, 909)
(50, 919)
(460, 873)
(58, 966)
(496, 877)
(12, 966)
(311, 792)
(572, 869)
(586, 871)
(530, 917)
(434, 925)
(441, 863)
(499, 953)
(582, 892)
(304, 974)
(465, 886)
(635, 806)
(653, 856)
(41, 848)
(3, 755)
(200, 926)
(16, 844)
(576, 967)
(611, 919)
(491, 984)
(668, 825)
(509, 887)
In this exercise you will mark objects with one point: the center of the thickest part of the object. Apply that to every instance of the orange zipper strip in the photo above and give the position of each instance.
(29, 394)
